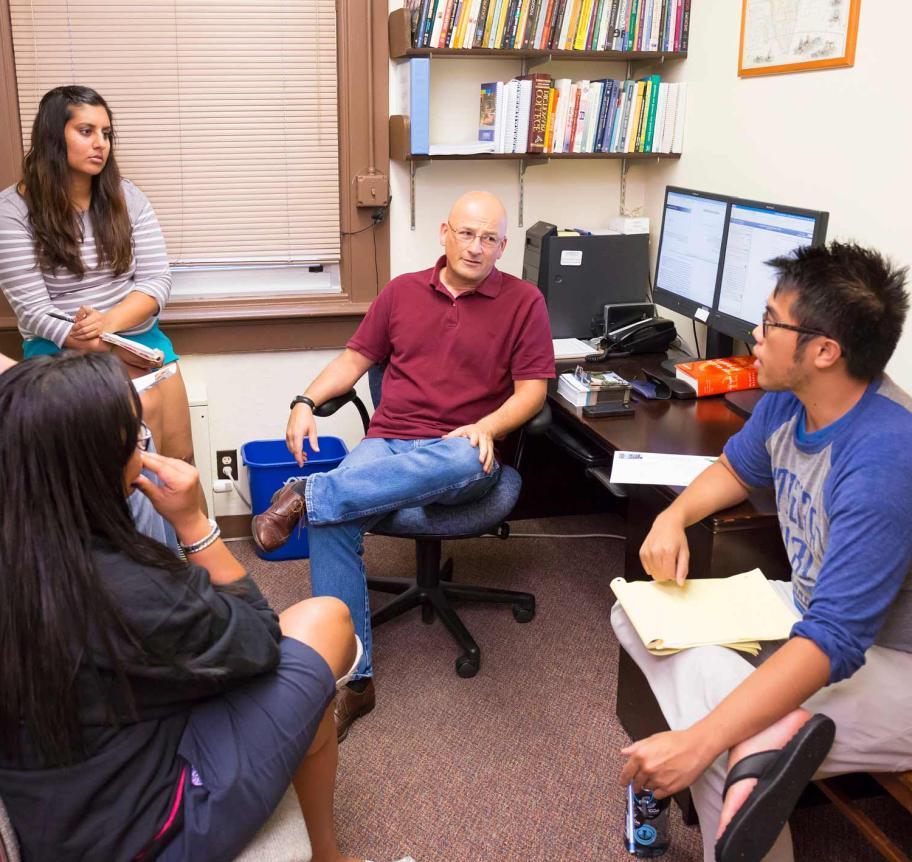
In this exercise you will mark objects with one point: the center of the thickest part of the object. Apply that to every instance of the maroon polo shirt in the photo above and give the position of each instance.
(451, 361)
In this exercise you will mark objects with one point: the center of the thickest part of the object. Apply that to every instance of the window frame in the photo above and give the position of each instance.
(263, 323)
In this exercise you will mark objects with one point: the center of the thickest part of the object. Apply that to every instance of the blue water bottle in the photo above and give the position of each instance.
(646, 833)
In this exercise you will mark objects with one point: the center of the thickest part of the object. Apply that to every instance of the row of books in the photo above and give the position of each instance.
(535, 114)
(553, 25)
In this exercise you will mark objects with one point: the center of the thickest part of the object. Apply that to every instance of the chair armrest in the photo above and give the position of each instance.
(539, 423)
(327, 408)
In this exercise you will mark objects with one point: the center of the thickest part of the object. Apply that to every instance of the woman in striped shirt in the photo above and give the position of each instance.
(77, 242)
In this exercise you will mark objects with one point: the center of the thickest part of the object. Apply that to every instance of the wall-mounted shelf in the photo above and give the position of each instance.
(400, 48)
(399, 138)
(530, 157)
(400, 40)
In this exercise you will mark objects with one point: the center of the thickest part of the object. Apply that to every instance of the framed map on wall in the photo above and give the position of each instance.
(796, 35)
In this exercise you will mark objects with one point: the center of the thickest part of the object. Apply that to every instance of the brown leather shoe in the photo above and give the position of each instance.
(273, 528)
(351, 705)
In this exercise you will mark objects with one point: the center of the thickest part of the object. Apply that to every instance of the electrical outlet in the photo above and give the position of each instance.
(226, 458)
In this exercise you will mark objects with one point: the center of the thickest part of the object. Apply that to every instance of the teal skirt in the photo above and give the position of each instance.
(154, 338)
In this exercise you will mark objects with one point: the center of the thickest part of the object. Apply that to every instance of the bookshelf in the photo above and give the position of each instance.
(400, 48)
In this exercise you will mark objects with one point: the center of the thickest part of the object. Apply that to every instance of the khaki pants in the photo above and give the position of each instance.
(872, 711)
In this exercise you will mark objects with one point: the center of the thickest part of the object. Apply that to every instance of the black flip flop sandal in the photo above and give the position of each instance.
(782, 775)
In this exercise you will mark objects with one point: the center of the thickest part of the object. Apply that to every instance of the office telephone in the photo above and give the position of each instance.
(652, 335)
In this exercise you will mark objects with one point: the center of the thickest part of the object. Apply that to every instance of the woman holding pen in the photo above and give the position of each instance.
(81, 253)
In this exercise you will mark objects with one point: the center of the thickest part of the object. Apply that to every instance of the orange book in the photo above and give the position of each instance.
(716, 376)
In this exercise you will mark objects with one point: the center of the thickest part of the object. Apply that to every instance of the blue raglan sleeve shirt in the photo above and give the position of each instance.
(868, 555)
(868, 503)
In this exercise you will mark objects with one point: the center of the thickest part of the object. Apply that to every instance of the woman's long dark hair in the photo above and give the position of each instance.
(68, 427)
(46, 190)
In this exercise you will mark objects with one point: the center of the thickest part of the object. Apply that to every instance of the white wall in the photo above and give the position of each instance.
(834, 140)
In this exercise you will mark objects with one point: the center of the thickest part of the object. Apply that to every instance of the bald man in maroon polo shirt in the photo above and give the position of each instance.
(468, 353)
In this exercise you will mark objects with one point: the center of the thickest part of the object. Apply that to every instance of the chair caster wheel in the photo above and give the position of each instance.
(523, 613)
(466, 666)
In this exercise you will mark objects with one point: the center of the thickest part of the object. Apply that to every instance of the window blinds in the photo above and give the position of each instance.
(225, 113)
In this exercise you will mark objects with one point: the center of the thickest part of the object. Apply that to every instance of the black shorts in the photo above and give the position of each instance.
(242, 749)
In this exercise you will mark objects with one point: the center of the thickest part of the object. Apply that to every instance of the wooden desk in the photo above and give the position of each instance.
(728, 542)
(723, 544)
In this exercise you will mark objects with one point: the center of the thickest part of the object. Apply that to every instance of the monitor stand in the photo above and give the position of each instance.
(744, 401)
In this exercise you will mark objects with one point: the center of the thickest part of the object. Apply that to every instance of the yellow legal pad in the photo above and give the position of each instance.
(736, 612)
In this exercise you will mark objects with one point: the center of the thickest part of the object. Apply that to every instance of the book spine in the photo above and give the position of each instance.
(455, 14)
(570, 25)
(685, 27)
(429, 23)
(610, 120)
(487, 114)
(481, 23)
(418, 33)
(535, 9)
(582, 104)
(579, 36)
(560, 9)
(679, 23)
(538, 118)
(622, 22)
(651, 113)
(631, 24)
(420, 98)
(549, 128)
(611, 33)
(491, 24)
(438, 23)
(643, 25)
(734, 381)
(545, 9)
(602, 118)
(620, 125)
(662, 23)
(502, 22)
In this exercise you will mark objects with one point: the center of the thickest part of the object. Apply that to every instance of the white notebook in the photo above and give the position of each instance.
(736, 612)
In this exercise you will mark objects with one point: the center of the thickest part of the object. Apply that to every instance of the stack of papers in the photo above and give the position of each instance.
(571, 348)
(736, 612)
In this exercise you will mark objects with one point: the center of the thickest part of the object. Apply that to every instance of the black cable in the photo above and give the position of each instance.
(649, 285)
(377, 217)
(696, 342)
(376, 265)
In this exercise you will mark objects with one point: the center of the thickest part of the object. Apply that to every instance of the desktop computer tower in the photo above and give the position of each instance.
(579, 275)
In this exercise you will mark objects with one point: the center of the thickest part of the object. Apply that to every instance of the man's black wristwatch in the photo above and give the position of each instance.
(302, 399)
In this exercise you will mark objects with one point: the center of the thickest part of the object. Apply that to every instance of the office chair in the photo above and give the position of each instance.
(432, 587)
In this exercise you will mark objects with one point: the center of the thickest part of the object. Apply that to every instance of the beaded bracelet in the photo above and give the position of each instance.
(203, 543)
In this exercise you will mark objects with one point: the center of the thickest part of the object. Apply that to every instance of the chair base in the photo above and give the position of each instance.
(433, 590)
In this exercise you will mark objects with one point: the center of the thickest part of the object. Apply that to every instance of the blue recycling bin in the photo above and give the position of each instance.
(270, 465)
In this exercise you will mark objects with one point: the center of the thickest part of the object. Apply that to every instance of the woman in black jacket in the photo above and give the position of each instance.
(151, 708)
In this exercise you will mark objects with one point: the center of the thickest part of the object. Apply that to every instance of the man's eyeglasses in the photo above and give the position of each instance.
(766, 324)
(488, 241)
(144, 437)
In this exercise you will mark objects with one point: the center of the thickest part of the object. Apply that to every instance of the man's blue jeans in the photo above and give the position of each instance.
(377, 477)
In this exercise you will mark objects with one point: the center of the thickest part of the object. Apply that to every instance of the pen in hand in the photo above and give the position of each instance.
(64, 317)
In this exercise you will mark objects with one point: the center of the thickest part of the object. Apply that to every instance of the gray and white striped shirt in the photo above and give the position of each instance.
(32, 293)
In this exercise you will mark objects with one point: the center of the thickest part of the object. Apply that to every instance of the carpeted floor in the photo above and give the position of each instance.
(522, 761)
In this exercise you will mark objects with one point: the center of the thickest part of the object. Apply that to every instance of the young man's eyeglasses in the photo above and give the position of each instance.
(144, 437)
(489, 241)
(766, 324)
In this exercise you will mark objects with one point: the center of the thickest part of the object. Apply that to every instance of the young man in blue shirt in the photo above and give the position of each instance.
(832, 437)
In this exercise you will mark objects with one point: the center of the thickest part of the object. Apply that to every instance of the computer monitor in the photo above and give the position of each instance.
(691, 245)
(756, 233)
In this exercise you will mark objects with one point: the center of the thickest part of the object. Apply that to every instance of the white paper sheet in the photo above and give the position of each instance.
(141, 384)
(655, 468)
(571, 348)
